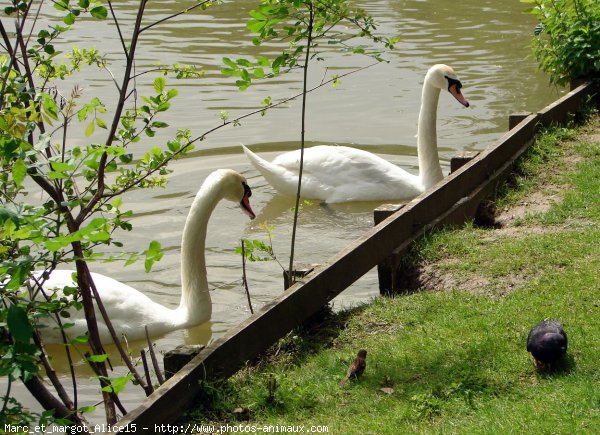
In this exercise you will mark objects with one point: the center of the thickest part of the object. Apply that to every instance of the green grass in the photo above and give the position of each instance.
(455, 359)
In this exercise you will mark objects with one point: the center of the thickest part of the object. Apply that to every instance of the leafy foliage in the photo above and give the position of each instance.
(567, 42)
(77, 206)
(288, 20)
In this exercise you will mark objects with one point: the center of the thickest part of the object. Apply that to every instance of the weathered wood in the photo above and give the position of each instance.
(450, 202)
(515, 118)
(386, 270)
(460, 159)
(300, 271)
(384, 211)
(175, 359)
(559, 111)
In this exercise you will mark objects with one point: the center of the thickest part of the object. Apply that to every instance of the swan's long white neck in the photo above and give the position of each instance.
(195, 296)
(430, 171)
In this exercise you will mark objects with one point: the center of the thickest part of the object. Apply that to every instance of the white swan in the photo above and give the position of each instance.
(129, 309)
(343, 174)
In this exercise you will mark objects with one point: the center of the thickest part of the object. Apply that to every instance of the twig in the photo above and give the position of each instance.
(6, 396)
(56, 317)
(38, 390)
(51, 373)
(309, 40)
(185, 11)
(105, 382)
(157, 370)
(150, 389)
(244, 280)
(113, 334)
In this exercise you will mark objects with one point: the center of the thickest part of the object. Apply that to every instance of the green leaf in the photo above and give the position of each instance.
(89, 130)
(69, 19)
(118, 384)
(50, 107)
(62, 166)
(171, 93)
(18, 324)
(153, 254)
(19, 172)
(230, 63)
(80, 339)
(99, 12)
(61, 5)
(100, 123)
(98, 358)
(159, 124)
(159, 84)
(84, 4)
(244, 62)
(126, 158)
(263, 61)
(255, 26)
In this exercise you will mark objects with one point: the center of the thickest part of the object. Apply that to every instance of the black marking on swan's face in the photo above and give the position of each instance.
(454, 86)
(247, 190)
(245, 202)
(452, 81)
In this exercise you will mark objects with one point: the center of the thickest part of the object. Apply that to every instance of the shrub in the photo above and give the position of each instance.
(567, 41)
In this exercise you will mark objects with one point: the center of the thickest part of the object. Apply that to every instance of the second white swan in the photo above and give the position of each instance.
(131, 310)
(343, 174)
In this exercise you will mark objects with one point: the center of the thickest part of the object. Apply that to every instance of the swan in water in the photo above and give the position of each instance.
(129, 309)
(343, 174)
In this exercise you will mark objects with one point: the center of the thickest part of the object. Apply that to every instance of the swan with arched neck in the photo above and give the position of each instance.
(342, 174)
(131, 310)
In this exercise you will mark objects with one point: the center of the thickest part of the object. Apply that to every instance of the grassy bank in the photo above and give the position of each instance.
(452, 358)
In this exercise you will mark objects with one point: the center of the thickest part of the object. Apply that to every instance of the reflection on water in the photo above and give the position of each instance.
(486, 43)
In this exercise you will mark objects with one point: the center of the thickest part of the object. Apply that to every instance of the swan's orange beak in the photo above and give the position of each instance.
(245, 202)
(455, 91)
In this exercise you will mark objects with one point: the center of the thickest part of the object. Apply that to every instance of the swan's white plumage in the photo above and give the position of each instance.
(129, 309)
(343, 174)
(371, 177)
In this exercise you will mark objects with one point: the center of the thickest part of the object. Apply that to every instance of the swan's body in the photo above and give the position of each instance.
(343, 174)
(129, 309)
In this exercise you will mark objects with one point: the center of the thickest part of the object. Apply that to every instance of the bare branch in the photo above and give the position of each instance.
(185, 11)
(121, 38)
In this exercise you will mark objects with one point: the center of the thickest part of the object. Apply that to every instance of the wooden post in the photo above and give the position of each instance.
(515, 118)
(175, 359)
(461, 159)
(387, 269)
(300, 271)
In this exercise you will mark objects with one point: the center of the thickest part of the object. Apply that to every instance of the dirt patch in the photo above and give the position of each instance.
(535, 203)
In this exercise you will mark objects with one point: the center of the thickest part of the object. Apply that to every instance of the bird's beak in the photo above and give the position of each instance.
(453, 89)
(245, 202)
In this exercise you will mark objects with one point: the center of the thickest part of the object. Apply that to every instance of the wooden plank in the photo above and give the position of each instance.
(460, 159)
(515, 118)
(558, 111)
(448, 202)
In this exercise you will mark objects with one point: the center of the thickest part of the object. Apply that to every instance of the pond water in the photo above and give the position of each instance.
(485, 42)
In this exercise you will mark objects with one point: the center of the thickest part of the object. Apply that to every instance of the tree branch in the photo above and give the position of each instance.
(185, 11)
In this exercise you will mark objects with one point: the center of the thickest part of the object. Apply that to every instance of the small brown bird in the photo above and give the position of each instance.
(357, 367)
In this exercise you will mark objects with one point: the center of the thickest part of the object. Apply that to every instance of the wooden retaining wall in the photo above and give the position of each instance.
(452, 201)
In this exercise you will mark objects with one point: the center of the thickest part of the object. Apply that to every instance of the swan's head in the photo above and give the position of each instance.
(443, 77)
(236, 189)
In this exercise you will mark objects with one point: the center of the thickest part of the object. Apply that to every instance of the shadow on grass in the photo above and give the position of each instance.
(563, 367)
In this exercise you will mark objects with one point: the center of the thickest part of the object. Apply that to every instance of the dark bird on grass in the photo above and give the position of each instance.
(547, 342)
(357, 367)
